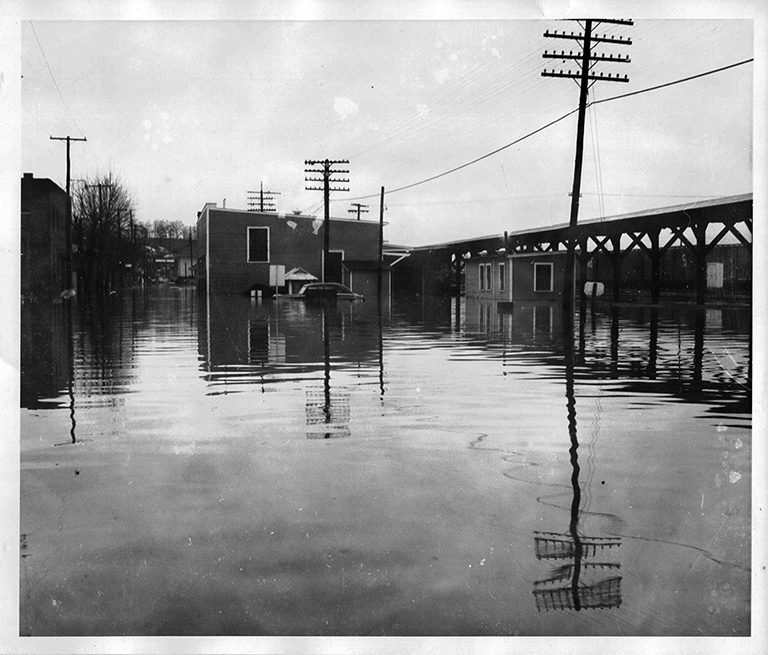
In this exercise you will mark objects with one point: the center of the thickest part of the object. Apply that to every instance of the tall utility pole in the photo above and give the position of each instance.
(68, 226)
(266, 201)
(586, 76)
(359, 209)
(327, 172)
(381, 248)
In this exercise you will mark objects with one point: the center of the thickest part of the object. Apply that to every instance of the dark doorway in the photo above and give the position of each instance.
(333, 270)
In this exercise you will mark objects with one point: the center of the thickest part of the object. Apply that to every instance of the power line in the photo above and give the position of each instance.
(35, 119)
(474, 161)
(42, 52)
(557, 120)
(662, 86)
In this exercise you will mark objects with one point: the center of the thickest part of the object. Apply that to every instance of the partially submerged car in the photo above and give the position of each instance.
(327, 290)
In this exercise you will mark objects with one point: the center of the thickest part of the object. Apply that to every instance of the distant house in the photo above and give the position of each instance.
(521, 277)
(701, 249)
(238, 249)
(171, 259)
(43, 238)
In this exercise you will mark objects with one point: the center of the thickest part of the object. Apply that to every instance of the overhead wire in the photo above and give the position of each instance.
(598, 163)
(55, 83)
(456, 103)
(35, 119)
(557, 120)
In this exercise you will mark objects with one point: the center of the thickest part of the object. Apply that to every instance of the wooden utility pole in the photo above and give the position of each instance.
(326, 171)
(266, 199)
(586, 76)
(381, 247)
(68, 226)
(359, 209)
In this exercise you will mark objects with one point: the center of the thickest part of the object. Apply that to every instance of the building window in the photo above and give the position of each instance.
(486, 277)
(258, 244)
(542, 277)
(502, 277)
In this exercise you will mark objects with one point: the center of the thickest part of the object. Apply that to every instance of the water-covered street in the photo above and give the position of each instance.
(196, 465)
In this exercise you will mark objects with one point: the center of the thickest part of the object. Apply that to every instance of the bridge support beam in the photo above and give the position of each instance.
(700, 230)
(616, 262)
(655, 264)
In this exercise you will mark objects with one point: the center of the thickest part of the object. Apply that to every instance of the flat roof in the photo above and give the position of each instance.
(285, 215)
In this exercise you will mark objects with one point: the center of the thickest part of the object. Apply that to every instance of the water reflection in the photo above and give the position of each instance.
(565, 588)
(246, 340)
(327, 413)
(414, 522)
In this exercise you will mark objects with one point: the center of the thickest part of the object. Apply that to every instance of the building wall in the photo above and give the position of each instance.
(519, 277)
(523, 271)
(472, 273)
(43, 237)
(367, 281)
(293, 241)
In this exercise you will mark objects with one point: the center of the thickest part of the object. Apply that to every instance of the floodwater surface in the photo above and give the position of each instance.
(216, 466)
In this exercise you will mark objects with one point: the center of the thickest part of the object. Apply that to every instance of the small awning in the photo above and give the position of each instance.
(299, 274)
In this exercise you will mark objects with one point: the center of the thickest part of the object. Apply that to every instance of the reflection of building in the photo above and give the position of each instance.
(525, 322)
(45, 353)
(239, 331)
(43, 238)
(237, 249)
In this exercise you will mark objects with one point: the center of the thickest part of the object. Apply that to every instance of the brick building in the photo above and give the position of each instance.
(43, 238)
(237, 248)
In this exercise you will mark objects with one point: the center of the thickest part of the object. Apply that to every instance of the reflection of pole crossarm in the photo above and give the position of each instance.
(565, 588)
(553, 545)
(605, 594)
(327, 172)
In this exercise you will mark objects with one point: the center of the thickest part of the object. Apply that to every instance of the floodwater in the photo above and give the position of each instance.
(215, 466)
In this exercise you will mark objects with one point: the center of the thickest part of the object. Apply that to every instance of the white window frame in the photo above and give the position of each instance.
(536, 277)
(502, 276)
(248, 244)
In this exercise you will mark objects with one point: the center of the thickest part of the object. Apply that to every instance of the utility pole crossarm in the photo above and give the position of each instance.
(587, 40)
(579, 76)
(618, 59)
(327, 172)
(618, 40)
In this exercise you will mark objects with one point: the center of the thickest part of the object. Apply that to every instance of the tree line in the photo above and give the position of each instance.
(110, 248)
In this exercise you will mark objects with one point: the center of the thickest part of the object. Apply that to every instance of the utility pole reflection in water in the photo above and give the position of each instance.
(328, 411)
(70, 376)
(565, 588)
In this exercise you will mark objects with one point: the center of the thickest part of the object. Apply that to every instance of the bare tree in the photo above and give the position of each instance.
(102, 215)
(175, 230)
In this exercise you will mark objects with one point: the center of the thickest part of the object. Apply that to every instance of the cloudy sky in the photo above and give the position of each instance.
(194, 111)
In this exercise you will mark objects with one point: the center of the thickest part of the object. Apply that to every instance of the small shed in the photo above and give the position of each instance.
(298, 277)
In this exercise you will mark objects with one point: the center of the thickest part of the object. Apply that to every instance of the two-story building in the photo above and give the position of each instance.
(43, 238)
(238, 251)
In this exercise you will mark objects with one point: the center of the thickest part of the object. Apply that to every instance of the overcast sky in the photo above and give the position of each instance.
(189, 112)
